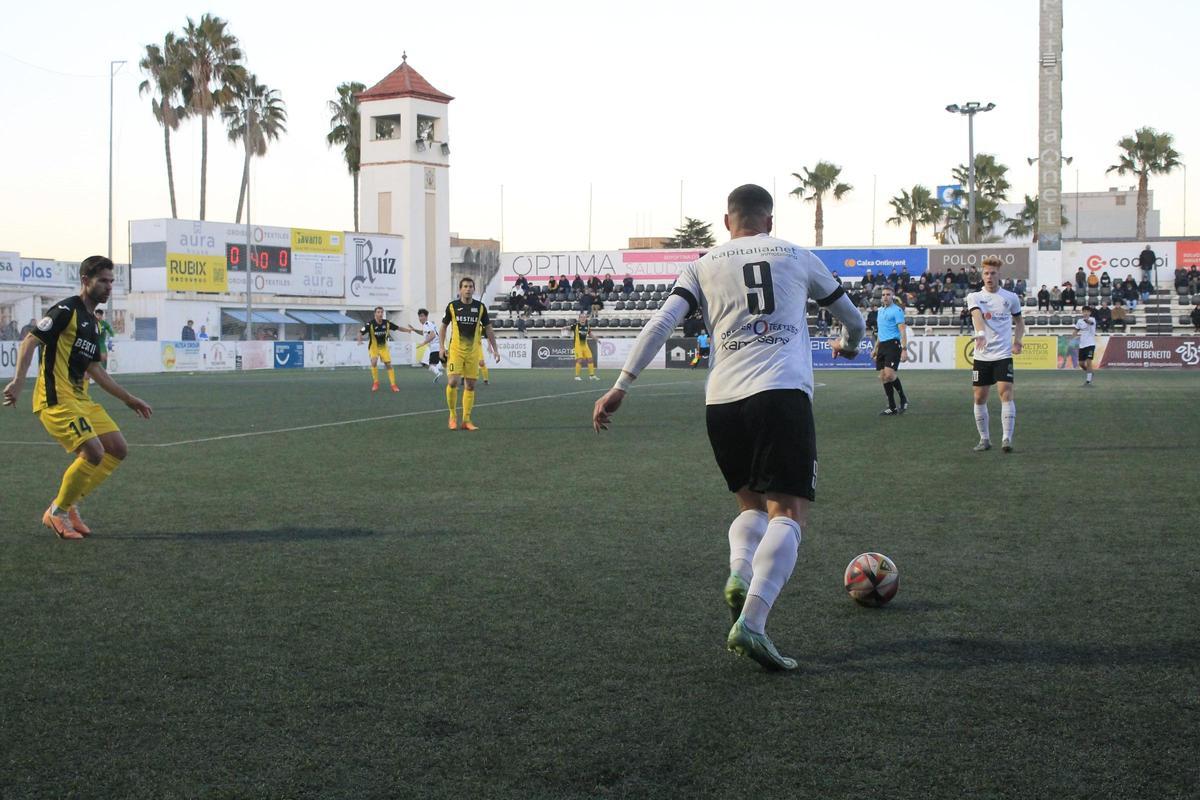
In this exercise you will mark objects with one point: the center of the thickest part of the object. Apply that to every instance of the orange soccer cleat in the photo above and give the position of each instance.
(375, 386)
(453, 422)
(77, 521)
(61, 525)
(469, 426)
(395, 388)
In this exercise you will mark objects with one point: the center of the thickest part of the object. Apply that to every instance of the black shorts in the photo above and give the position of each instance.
(704, 351)
(435, 357)
(766, 442)
(888, 355)
(986, 373)
(1087, 353)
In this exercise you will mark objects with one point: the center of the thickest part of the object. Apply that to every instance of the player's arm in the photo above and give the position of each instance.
(25, 352)
(903, 342)
(854, 327)
(649, 341)
(485, 319)
(361, 331)
(1018, 334)
(977, 325)
(100, 375)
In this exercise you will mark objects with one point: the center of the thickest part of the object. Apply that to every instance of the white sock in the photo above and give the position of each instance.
(1008, 418)
(1089, 377)
(773, 564)
(982, 420)
(745, 532)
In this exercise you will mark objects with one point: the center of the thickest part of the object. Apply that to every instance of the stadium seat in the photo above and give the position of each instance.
(662, 287)
(624, 322)
(1041, 320)
(602, 323)
(620, 306)
(1055, 319)
(943, 321)
(1132, 320)
(908, 320)
(641, 305)
(1030, 302)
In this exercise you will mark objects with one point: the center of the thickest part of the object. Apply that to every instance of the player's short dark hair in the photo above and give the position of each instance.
(379, 308)
(750, 200)
(421, 311)
(99, 312)
(463, 280)
(92, 265)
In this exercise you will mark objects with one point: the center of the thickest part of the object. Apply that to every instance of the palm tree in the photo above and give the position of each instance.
(917, 208)
(1146, 152)
(991, 189)
(166, 68)
(255, 116)
(1026, 221)
(817, 182)
(215, 69)
(344, 130)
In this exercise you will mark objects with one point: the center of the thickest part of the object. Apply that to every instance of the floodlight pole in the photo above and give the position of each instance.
(970, 109)
(249, 260)
(111, 74)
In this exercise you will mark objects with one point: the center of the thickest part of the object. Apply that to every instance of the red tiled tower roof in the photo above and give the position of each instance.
(404, 81)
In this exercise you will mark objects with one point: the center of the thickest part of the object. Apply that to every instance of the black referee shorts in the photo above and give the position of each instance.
(888, 355)
(766, 442)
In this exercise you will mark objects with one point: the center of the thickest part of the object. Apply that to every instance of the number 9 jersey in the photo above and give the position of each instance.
(754, 293)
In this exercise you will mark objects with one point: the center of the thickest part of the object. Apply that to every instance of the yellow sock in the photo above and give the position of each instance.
(591, 368)
(576, 369)
(452, 397)
(468, 403)
(74, 482)
(483, 368)
(392, 375)
(375, 374)
(103, 471)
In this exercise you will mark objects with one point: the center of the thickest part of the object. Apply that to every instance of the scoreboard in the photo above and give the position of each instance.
(263, 258)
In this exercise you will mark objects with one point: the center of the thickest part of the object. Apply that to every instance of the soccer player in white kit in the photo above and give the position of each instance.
(753, 292)
(429, 329)
(1085, 332)
(999, 329)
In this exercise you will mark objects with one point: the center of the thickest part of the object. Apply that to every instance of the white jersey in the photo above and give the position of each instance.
(754, 294)
(1087, 331)
(428, 328)
(998, 309)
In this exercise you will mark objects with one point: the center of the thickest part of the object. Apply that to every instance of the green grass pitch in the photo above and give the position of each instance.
(387, 609)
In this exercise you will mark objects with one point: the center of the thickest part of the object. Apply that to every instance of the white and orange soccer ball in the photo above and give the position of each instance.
(872, 579)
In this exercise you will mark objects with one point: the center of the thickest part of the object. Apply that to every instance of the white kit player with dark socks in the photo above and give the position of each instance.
(753, 293)
(430, 331)
(999, 329)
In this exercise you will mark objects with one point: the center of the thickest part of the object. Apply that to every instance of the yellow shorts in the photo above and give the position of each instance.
(464, 364)
(583, 352)
(381, 353)
(74, 423)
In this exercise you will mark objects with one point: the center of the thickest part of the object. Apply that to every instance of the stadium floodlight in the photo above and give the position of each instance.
(969, 110)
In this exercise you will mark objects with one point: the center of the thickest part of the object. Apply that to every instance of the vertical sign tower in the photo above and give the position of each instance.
(1050, 141)
(404, 184)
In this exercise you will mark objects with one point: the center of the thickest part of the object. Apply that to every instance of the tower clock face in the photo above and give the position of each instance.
(430, 179)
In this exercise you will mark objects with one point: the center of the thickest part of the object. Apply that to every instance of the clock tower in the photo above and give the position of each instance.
(404, 182)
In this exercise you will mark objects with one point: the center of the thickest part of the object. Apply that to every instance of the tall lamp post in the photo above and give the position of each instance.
(113, 68)
(970, 109)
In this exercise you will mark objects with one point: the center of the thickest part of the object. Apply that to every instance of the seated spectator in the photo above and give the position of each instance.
(947, 296)
(893, 279)
(516, 300)
(577, 285)
(552, 285)
(1145, 287)
(534, 305)
(1068, 297)
(607, 286)
(975, 280)
(593, 282)
(1055, 298)
(1196, 316)
(1181, 278)
(868, 278)
(1022, 287)
(933, 299)
(1093, 282)
(950, 278)
(1043, 298)
(823, 321)
(1129, 292)
(1104, 317)
(1080, 278)
(1118, 316)
(904, 278)
(964, 320)
(873, 319)
(1105, 281)
(1008, 284)
(1194, 280)
(597, 304)
(627, 284)
(586, 301)
(523, 283)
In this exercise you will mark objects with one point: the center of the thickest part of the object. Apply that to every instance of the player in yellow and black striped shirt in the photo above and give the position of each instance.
(378, 332)
(69, 338)
(468, 322)
(580, 331)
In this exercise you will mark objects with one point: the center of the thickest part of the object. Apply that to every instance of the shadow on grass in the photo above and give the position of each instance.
(954, 653)
(248, 536)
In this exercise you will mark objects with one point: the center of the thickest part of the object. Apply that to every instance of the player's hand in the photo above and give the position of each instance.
(980, 342)
(11, 392)
(442, 356)
(1017, 347)
(605, 407)
(496, 355)
(139, 407)
(849, 355)
(904, 354)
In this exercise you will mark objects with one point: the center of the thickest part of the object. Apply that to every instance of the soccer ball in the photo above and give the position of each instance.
(872, 579)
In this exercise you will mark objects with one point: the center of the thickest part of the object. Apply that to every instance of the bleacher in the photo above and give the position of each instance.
(624, 314)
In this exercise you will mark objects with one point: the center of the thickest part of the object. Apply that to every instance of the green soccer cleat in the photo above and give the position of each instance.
(758, 647)
(736, 590)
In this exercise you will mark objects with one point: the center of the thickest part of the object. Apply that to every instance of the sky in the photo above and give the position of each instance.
(648, 109)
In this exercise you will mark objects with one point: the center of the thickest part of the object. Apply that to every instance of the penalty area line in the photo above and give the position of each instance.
(401, 415)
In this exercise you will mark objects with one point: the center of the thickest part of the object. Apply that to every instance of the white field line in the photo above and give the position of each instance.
(372, 419)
